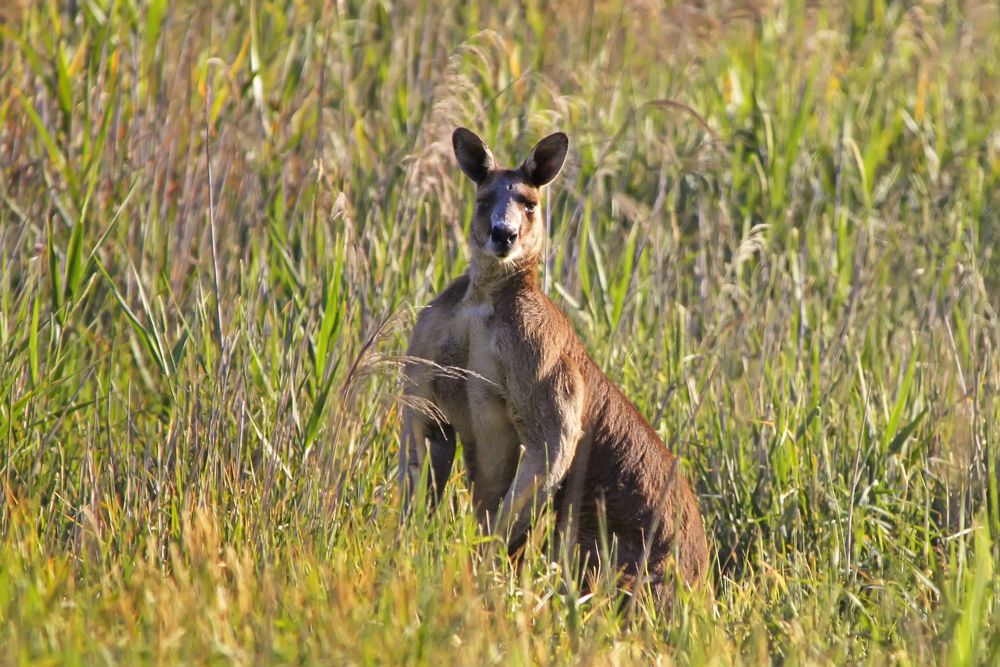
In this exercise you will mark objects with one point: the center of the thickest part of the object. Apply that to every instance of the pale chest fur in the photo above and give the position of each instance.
(496, 445)
(483, 356)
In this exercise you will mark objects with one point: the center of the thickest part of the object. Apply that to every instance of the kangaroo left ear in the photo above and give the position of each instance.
(474, 157)
(546, 159)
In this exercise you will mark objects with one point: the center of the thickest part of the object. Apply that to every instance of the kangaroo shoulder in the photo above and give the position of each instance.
(437, 319)
(453, 293)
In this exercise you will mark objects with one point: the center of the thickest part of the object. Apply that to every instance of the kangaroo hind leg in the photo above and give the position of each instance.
(424, 439)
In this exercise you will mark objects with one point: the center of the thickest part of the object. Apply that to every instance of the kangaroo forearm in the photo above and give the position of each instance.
(545, 462)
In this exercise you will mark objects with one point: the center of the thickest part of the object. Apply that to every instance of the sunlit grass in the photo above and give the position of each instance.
(775, 231)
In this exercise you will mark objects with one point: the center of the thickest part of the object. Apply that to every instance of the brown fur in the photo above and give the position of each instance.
(537, 417)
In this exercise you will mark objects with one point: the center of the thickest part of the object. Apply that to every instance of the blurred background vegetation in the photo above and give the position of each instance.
(775, 231)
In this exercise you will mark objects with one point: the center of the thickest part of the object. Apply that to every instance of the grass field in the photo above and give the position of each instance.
(777, 231)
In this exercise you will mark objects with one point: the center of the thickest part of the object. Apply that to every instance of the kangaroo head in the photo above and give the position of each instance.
(506, 223)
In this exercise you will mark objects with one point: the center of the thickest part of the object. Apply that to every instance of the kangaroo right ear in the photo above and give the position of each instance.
(546, 159)
(474, 157)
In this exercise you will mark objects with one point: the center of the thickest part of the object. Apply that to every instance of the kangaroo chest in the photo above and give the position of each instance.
(483, 357)
(492, 443)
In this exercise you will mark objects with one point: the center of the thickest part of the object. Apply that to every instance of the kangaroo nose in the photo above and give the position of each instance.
(503, 235)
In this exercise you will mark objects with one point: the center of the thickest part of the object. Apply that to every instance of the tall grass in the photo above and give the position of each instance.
(776, 232)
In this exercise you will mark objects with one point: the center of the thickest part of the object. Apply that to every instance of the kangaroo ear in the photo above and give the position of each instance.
(474, 157)
(546, 159)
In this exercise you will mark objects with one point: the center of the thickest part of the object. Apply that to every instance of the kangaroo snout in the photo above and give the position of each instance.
(504, 230)
(503, 236)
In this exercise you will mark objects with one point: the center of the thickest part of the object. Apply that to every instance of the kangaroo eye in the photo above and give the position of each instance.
(529, 208)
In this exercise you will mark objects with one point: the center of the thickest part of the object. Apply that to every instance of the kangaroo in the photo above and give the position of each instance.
(538, 419)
